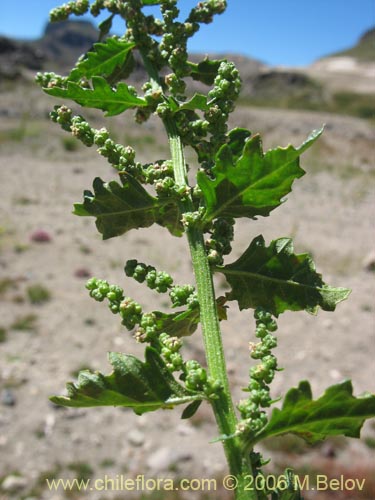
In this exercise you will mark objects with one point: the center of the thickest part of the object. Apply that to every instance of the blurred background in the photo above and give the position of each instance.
(303, 64)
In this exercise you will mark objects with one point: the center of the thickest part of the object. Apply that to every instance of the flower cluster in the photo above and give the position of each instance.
(77, 7)
(196, 379)
(207, 134)
(219, 243)
(155, 280)
(170, 350)
(261, 375)
(50, 79)
(121, 157)
(129, 310)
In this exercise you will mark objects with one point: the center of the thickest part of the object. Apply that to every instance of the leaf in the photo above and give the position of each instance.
(205, 71)
(142, 386)
(198, 101)
(278, 280)
(249, 183)
(185, 323)
(151, 2)
(103, 60)
(105, 26)
(335, 413)
(120, 208)
(191, 409)
(101, 96)
(178, 324)
(288, 487)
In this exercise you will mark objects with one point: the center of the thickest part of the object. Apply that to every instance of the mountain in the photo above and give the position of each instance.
(342, 82)
(363, 51)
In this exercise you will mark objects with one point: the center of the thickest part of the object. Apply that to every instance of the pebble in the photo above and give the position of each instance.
(369, 262)
(41, 236)
(164, 458)
(8, 398)
(185, 430)
(136, 438)
(12, 483)
(82, 272)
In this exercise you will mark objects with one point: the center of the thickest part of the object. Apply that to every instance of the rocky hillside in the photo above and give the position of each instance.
(363, 51)
(336, 83)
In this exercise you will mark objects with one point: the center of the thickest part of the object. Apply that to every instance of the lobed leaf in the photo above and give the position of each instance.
(335, 413)
(101, 96)
(141, 386)
(120, 208)
(277, 279)
(248, 182)
(103, 60)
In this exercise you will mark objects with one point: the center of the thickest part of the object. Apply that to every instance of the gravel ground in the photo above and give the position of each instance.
(328, 214)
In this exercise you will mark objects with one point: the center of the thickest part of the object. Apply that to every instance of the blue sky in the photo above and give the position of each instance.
(278, 32)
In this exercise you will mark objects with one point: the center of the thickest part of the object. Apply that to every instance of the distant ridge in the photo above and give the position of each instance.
(363, 51)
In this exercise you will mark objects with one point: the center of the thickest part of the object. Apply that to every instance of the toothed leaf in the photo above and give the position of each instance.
(248, 182)
(103, 60)
(141, 386)
(113, 100)
(335, 413)
(277, 279)
(120, 208)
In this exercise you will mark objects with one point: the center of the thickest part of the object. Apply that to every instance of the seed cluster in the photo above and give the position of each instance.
(261, 375)
(204, 133)
(219, 243)
(155, 280)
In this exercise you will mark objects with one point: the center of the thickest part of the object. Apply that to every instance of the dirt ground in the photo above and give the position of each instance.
(329, 213)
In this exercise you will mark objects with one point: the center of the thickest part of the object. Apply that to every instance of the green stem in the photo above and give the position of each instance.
(239, 466)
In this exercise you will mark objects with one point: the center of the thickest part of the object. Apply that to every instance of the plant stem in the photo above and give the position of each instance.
(239, 466)
(223, 406)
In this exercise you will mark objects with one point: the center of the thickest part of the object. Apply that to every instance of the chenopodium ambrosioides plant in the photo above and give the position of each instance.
(235, 179)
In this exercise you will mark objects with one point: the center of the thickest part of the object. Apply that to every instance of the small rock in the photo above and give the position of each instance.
(41, 236)
(3, 441)
(136, 438)
(162, 459)
(49, 424)
(369, 262)
(335, 374)
(185, 430)
(82, 272)
(328, 450)
(8, 398)
(12, 483)
(328, 324)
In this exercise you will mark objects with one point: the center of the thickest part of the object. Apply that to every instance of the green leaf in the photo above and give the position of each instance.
(151, 2)
(191, 409)
(247, 182)
(277, 279)
(105, 26)
(198, 101)
(103, 60)
(205, 71)
(101, 96)
(120, 208)
(335, 413)
(178, 324)
(142, 386)
(288, 487)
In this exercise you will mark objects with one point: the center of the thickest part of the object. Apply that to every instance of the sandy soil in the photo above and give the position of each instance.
(328, 214)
